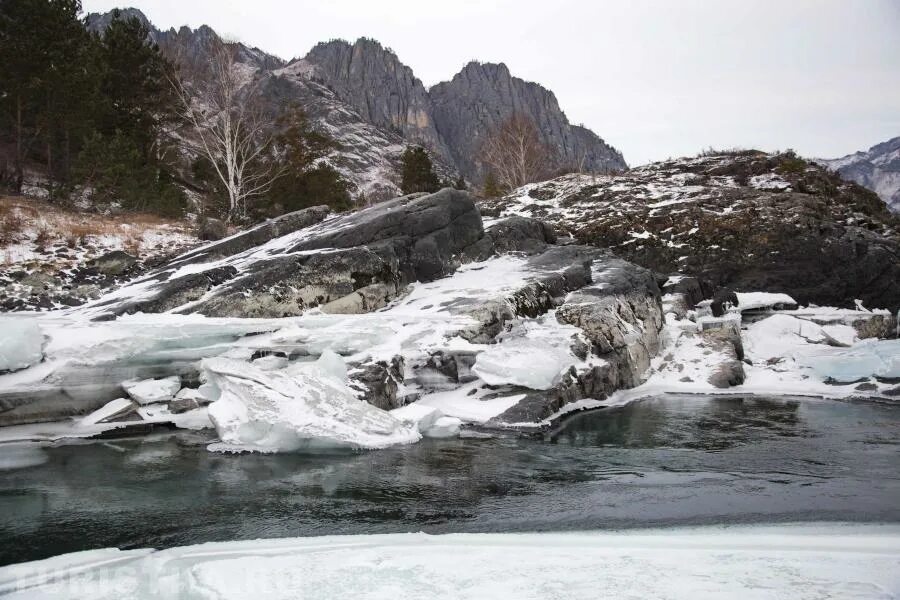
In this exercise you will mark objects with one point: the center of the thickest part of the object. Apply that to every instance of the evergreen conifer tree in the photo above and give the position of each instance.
(417, 172)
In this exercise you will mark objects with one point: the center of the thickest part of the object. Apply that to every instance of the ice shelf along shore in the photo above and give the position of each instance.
(488, 346)
(810, 561)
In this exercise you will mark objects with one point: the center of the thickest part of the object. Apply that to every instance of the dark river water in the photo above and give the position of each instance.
(659, 462)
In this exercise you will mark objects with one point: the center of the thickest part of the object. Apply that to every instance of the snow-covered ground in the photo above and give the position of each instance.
(46, 251)
(814, 561)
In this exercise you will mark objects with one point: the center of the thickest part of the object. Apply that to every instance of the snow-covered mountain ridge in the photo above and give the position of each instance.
(877, 168)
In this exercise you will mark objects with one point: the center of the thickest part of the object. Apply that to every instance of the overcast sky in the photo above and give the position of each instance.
(655, 78)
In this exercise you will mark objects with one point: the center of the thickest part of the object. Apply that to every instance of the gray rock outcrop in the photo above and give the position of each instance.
(483, 95)
(743, 220)
(355, 262)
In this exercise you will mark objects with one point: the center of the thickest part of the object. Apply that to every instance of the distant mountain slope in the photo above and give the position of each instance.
(877, 169)
(483, 95)
(374, 105)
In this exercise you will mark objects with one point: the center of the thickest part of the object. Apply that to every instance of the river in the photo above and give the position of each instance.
(676, 460)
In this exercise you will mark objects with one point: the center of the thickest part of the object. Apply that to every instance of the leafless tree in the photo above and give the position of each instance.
(515, 154)
(221, 102)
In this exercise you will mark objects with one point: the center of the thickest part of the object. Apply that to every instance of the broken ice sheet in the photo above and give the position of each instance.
(309, 409)
(880, 358)
(533, 354)
(21, 342)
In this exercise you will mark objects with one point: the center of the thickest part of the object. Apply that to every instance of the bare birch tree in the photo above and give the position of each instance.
(515, 154)
(221, 103)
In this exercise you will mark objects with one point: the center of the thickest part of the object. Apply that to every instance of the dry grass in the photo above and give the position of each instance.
(43, 224)
(11, 226)
(56, 222)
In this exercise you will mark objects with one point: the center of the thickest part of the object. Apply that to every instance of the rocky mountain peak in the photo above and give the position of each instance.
(485, 70)
(483, 95)
(384, 91)
(98, 22)
(373, 104)
(878, 169)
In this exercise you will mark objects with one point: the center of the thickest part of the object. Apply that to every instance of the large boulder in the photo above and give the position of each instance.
(113, 263)
(620, 314)
(355, 262)
(212, 229)
(747, 221)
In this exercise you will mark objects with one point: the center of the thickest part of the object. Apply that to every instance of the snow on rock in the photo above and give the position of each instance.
(756, 300)
(469, 403)
(780, 335)
(802, 562)
(308, 409)
(21, 343)
(769, 181)
(150, 391)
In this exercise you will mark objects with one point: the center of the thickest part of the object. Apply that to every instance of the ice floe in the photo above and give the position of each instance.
(149, 391)
(311, 409)
(869, 358)
(21, 343)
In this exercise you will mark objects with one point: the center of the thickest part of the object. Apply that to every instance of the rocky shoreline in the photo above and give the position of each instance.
(413, 317)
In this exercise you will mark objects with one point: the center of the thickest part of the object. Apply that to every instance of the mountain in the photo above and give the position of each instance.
(373, 105)
(481, 96)
(383, 90)
(877, 169)
(744, 220)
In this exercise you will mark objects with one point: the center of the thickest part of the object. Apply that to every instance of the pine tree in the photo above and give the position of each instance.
(42, 70)
(417, 172)
(139, 100)
(460, 183)
(136, 108)
(305, 180)
(491, 188)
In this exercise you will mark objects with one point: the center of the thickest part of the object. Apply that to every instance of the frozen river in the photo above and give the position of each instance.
(675, 461)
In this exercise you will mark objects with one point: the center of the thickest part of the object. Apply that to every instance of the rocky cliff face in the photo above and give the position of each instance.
(384, 91)
(877, 169)
(192, 42)
(747, 221)
(483, 95)
(374, 105)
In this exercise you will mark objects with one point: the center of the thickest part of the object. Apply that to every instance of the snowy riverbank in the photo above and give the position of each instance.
(801, 561)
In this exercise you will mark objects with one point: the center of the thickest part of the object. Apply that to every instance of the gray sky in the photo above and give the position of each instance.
(655, 78)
